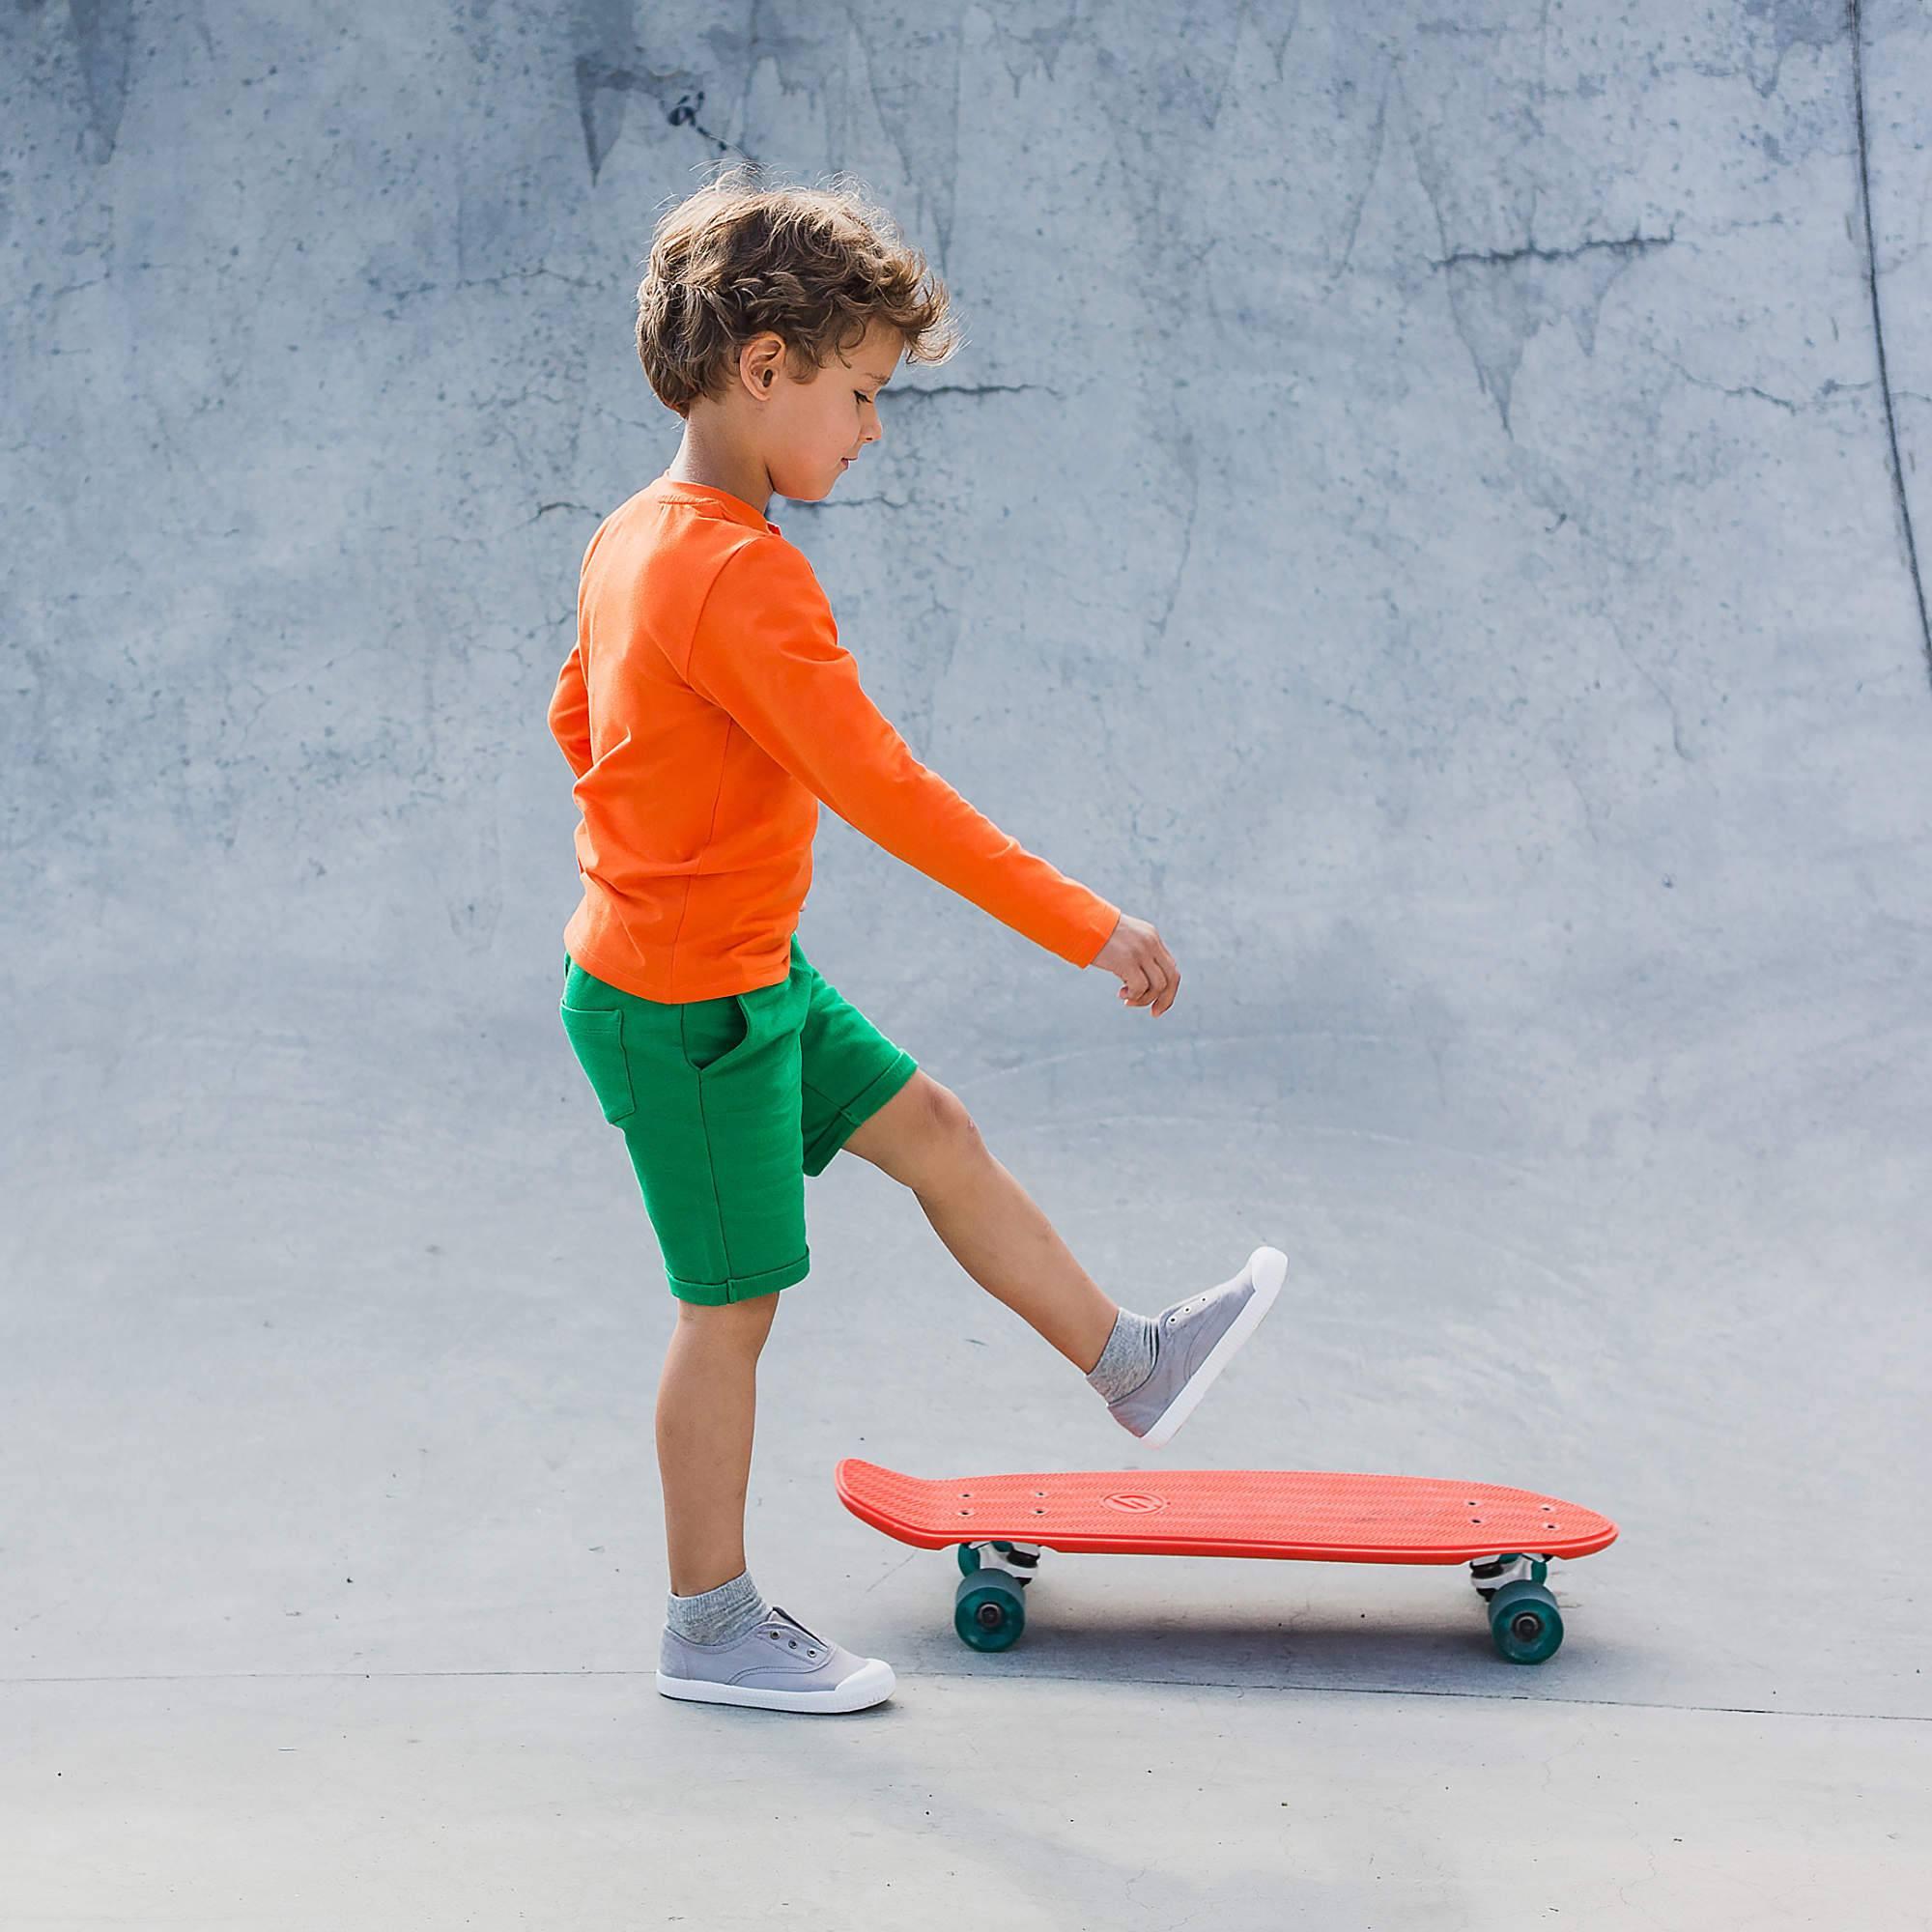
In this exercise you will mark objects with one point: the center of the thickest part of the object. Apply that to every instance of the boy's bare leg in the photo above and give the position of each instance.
(998, 1235)
(706, 1398)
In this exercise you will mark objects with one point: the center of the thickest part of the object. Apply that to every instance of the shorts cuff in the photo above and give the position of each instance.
(740, 1287)
(857, 1111)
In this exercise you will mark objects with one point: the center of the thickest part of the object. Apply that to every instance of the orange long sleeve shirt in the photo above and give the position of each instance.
(706, 708)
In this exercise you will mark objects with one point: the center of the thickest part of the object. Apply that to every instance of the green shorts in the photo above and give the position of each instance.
(725, 1106)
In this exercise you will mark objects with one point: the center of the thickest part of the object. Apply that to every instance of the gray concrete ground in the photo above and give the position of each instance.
(1428, 515)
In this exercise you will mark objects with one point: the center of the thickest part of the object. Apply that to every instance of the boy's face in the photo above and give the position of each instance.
(810, 431)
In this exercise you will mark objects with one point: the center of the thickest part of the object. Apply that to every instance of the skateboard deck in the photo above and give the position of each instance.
(999, 1525)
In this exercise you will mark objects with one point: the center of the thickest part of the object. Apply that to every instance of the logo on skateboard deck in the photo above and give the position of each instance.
(1132, 1501)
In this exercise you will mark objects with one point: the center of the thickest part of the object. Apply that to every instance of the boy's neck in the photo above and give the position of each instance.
(744, 477)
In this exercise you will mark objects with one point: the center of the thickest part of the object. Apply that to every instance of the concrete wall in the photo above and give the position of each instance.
(1430, 512)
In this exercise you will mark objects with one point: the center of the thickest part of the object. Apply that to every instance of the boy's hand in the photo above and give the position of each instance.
(1146, 968)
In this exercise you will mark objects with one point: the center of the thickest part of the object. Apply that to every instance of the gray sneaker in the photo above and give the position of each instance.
(1197, 1340)
(778, 1666)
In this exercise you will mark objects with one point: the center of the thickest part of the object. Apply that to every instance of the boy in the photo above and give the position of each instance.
(706, 709)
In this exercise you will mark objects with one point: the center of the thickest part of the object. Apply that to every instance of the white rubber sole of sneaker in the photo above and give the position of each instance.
(1267, 1268)
(863, 1688)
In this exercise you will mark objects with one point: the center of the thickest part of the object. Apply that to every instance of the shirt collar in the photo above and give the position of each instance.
(678, 490)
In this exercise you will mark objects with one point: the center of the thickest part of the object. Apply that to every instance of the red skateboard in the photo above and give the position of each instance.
(1001, 1524)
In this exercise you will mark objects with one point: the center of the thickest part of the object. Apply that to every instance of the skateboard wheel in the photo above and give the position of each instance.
(988, 1612)
(1525, 1623)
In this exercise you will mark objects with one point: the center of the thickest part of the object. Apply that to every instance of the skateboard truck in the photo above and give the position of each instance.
(1490, 1574)
(1018, 1559)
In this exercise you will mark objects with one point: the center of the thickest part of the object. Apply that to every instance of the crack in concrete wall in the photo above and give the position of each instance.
(1632, 245)
(1898, 491)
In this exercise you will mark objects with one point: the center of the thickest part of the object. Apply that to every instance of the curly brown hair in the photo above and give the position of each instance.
(818, 266)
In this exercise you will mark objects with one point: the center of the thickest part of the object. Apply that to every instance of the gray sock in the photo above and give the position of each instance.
(1127, 1359)
(720, 1615)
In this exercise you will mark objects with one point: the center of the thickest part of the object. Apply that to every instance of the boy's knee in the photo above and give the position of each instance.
(923, 1128)
(948, 1115)
(944, 1136)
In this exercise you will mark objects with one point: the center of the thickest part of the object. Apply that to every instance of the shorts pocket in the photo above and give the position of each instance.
(712, 1032)
(597, 1037)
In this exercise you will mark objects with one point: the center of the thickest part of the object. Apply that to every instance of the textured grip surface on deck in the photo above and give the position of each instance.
(1317, 1515)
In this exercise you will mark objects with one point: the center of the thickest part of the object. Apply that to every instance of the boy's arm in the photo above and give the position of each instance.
(570, 712)
(766, 650)
(570, 703)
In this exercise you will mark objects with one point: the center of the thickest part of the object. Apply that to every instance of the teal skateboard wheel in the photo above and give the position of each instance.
(988, 1612)
(1525, 1623)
